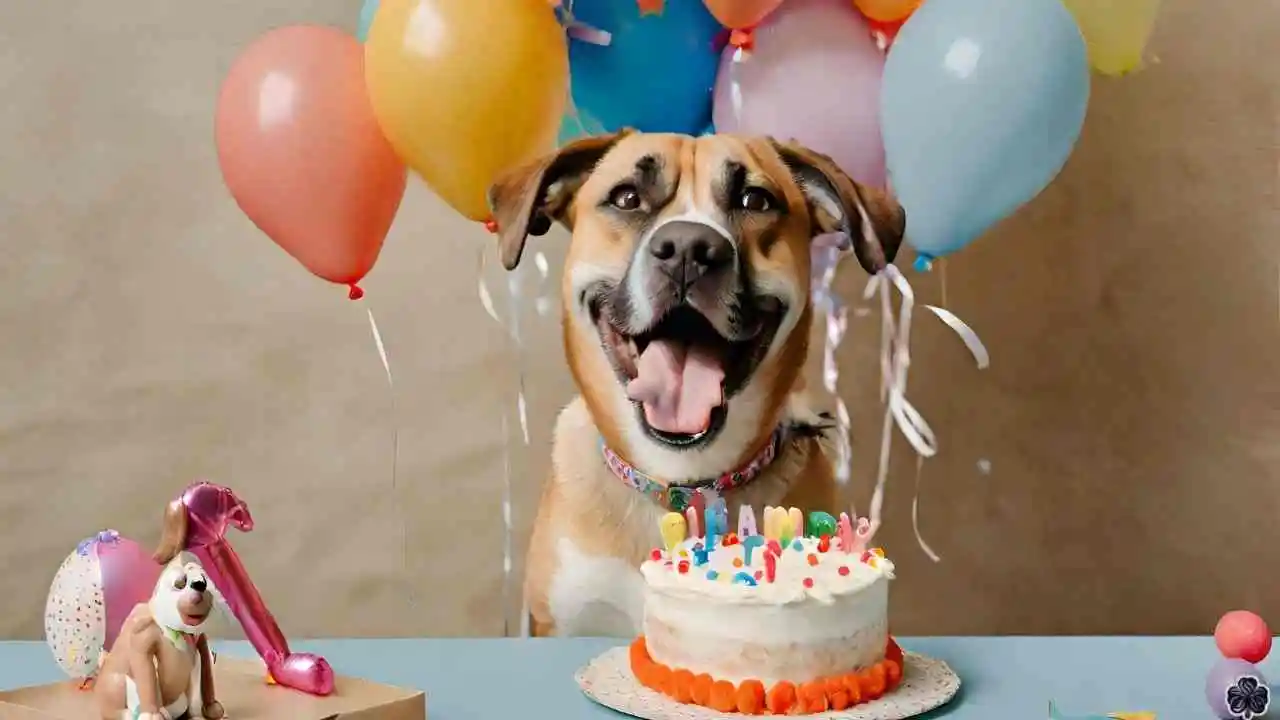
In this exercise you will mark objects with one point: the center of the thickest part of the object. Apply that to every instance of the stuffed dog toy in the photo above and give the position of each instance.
(686, 320)
(160, 667)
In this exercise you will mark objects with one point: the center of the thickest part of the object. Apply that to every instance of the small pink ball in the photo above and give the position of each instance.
(1243, 635)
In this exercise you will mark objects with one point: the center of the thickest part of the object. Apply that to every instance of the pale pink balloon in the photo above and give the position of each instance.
(302, 152)
(813, 75)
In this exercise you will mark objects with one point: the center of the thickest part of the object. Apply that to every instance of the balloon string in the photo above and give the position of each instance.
(395, 458)
(835, 311)
(895, 360)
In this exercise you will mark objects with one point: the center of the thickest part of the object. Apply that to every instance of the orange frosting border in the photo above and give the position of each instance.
(750, 697)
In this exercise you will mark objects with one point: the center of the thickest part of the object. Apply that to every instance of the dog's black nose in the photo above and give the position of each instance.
(687, 251)
(199, 585)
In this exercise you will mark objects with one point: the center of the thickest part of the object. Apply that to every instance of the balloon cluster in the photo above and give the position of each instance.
(973, 111)
(1235, 688)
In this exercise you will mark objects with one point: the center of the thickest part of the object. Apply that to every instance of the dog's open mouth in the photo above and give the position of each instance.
(681, 371)
(193, 619)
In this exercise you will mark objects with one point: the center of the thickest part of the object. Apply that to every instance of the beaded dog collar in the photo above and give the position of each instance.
(676, 496)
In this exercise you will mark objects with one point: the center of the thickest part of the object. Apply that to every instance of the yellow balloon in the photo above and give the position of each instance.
(1116, 31)
(464, 89)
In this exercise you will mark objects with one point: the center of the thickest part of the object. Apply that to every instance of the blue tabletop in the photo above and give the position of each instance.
(1011, 678)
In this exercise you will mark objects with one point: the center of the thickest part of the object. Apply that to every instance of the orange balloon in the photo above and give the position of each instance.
(466, 89)
(741, 14)
(887, 11)
(302, 153)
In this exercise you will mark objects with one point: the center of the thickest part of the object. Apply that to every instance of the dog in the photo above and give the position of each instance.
(686, 320)
(160, 667)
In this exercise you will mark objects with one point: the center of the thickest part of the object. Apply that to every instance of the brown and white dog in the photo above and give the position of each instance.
(160, 667)
(686, 328)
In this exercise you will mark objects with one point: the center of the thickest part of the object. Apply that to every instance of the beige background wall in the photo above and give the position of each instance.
(1131, 416)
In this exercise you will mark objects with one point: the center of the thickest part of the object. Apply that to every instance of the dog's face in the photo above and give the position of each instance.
(183, 597)
(686, 287)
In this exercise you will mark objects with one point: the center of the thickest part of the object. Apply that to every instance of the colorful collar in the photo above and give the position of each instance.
(676, 496)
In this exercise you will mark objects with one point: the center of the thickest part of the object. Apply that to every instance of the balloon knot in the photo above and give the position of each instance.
(491, 225)
(650, 7)
(744, 39)
(354, 292)
(923, 263)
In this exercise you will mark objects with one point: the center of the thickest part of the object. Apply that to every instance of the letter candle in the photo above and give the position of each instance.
(844, 531)
(821, 524)
(785, 531)
(210, 509)
(672, 528)
(746, 521)
(797, 522)
(771, 529)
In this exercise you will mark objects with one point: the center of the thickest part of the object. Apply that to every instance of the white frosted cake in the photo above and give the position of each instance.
(778, 621)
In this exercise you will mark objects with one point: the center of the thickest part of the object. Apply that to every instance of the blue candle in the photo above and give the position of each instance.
(749, 544)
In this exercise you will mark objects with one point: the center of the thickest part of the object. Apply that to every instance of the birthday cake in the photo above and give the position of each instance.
(790, 620)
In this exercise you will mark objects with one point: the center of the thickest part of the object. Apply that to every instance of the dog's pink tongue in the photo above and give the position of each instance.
(678, 386)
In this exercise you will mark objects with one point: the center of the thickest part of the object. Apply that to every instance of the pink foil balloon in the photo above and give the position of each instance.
(211, 510)
(813, 75)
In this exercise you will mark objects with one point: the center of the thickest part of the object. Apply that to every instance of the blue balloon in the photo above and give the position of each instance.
(657, 73)
(982, 103)
(366, 19)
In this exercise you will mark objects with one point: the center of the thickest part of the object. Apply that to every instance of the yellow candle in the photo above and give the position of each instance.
(770, 522)
(673, 529)
(797, 522)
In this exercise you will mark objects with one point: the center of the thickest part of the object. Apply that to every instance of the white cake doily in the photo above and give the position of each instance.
(926, 684)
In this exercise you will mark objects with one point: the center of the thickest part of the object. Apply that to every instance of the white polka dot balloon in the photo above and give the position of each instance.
(91, 594)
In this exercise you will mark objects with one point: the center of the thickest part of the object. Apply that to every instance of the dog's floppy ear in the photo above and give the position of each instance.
(873, 221)
(527, 199)
(173, 535)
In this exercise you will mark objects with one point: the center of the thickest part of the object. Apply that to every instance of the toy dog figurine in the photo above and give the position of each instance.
(160, 666)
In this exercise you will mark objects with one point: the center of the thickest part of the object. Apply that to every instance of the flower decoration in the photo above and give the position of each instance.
(1248, 698)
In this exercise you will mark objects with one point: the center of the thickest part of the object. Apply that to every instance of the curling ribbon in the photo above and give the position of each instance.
(827, 300)
(578, 30)
(395, 457)
(895, 360)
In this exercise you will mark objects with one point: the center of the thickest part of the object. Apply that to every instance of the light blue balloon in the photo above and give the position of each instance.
(366, 19)
(658, 72)
(982, 103)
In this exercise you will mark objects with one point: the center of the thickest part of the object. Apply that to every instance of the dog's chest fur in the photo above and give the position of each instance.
(594, 531)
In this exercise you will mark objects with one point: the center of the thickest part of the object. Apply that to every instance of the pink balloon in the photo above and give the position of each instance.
(302, 152)
(813, 75)
(129, 576)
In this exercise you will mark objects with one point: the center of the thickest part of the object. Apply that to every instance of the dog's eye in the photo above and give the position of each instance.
(180, 582)
(754, 199)
(625, 197)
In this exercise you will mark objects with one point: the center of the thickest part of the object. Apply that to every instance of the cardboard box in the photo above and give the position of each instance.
(243, 692)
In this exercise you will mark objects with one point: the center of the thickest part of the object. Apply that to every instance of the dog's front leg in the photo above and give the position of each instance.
(209, 706)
